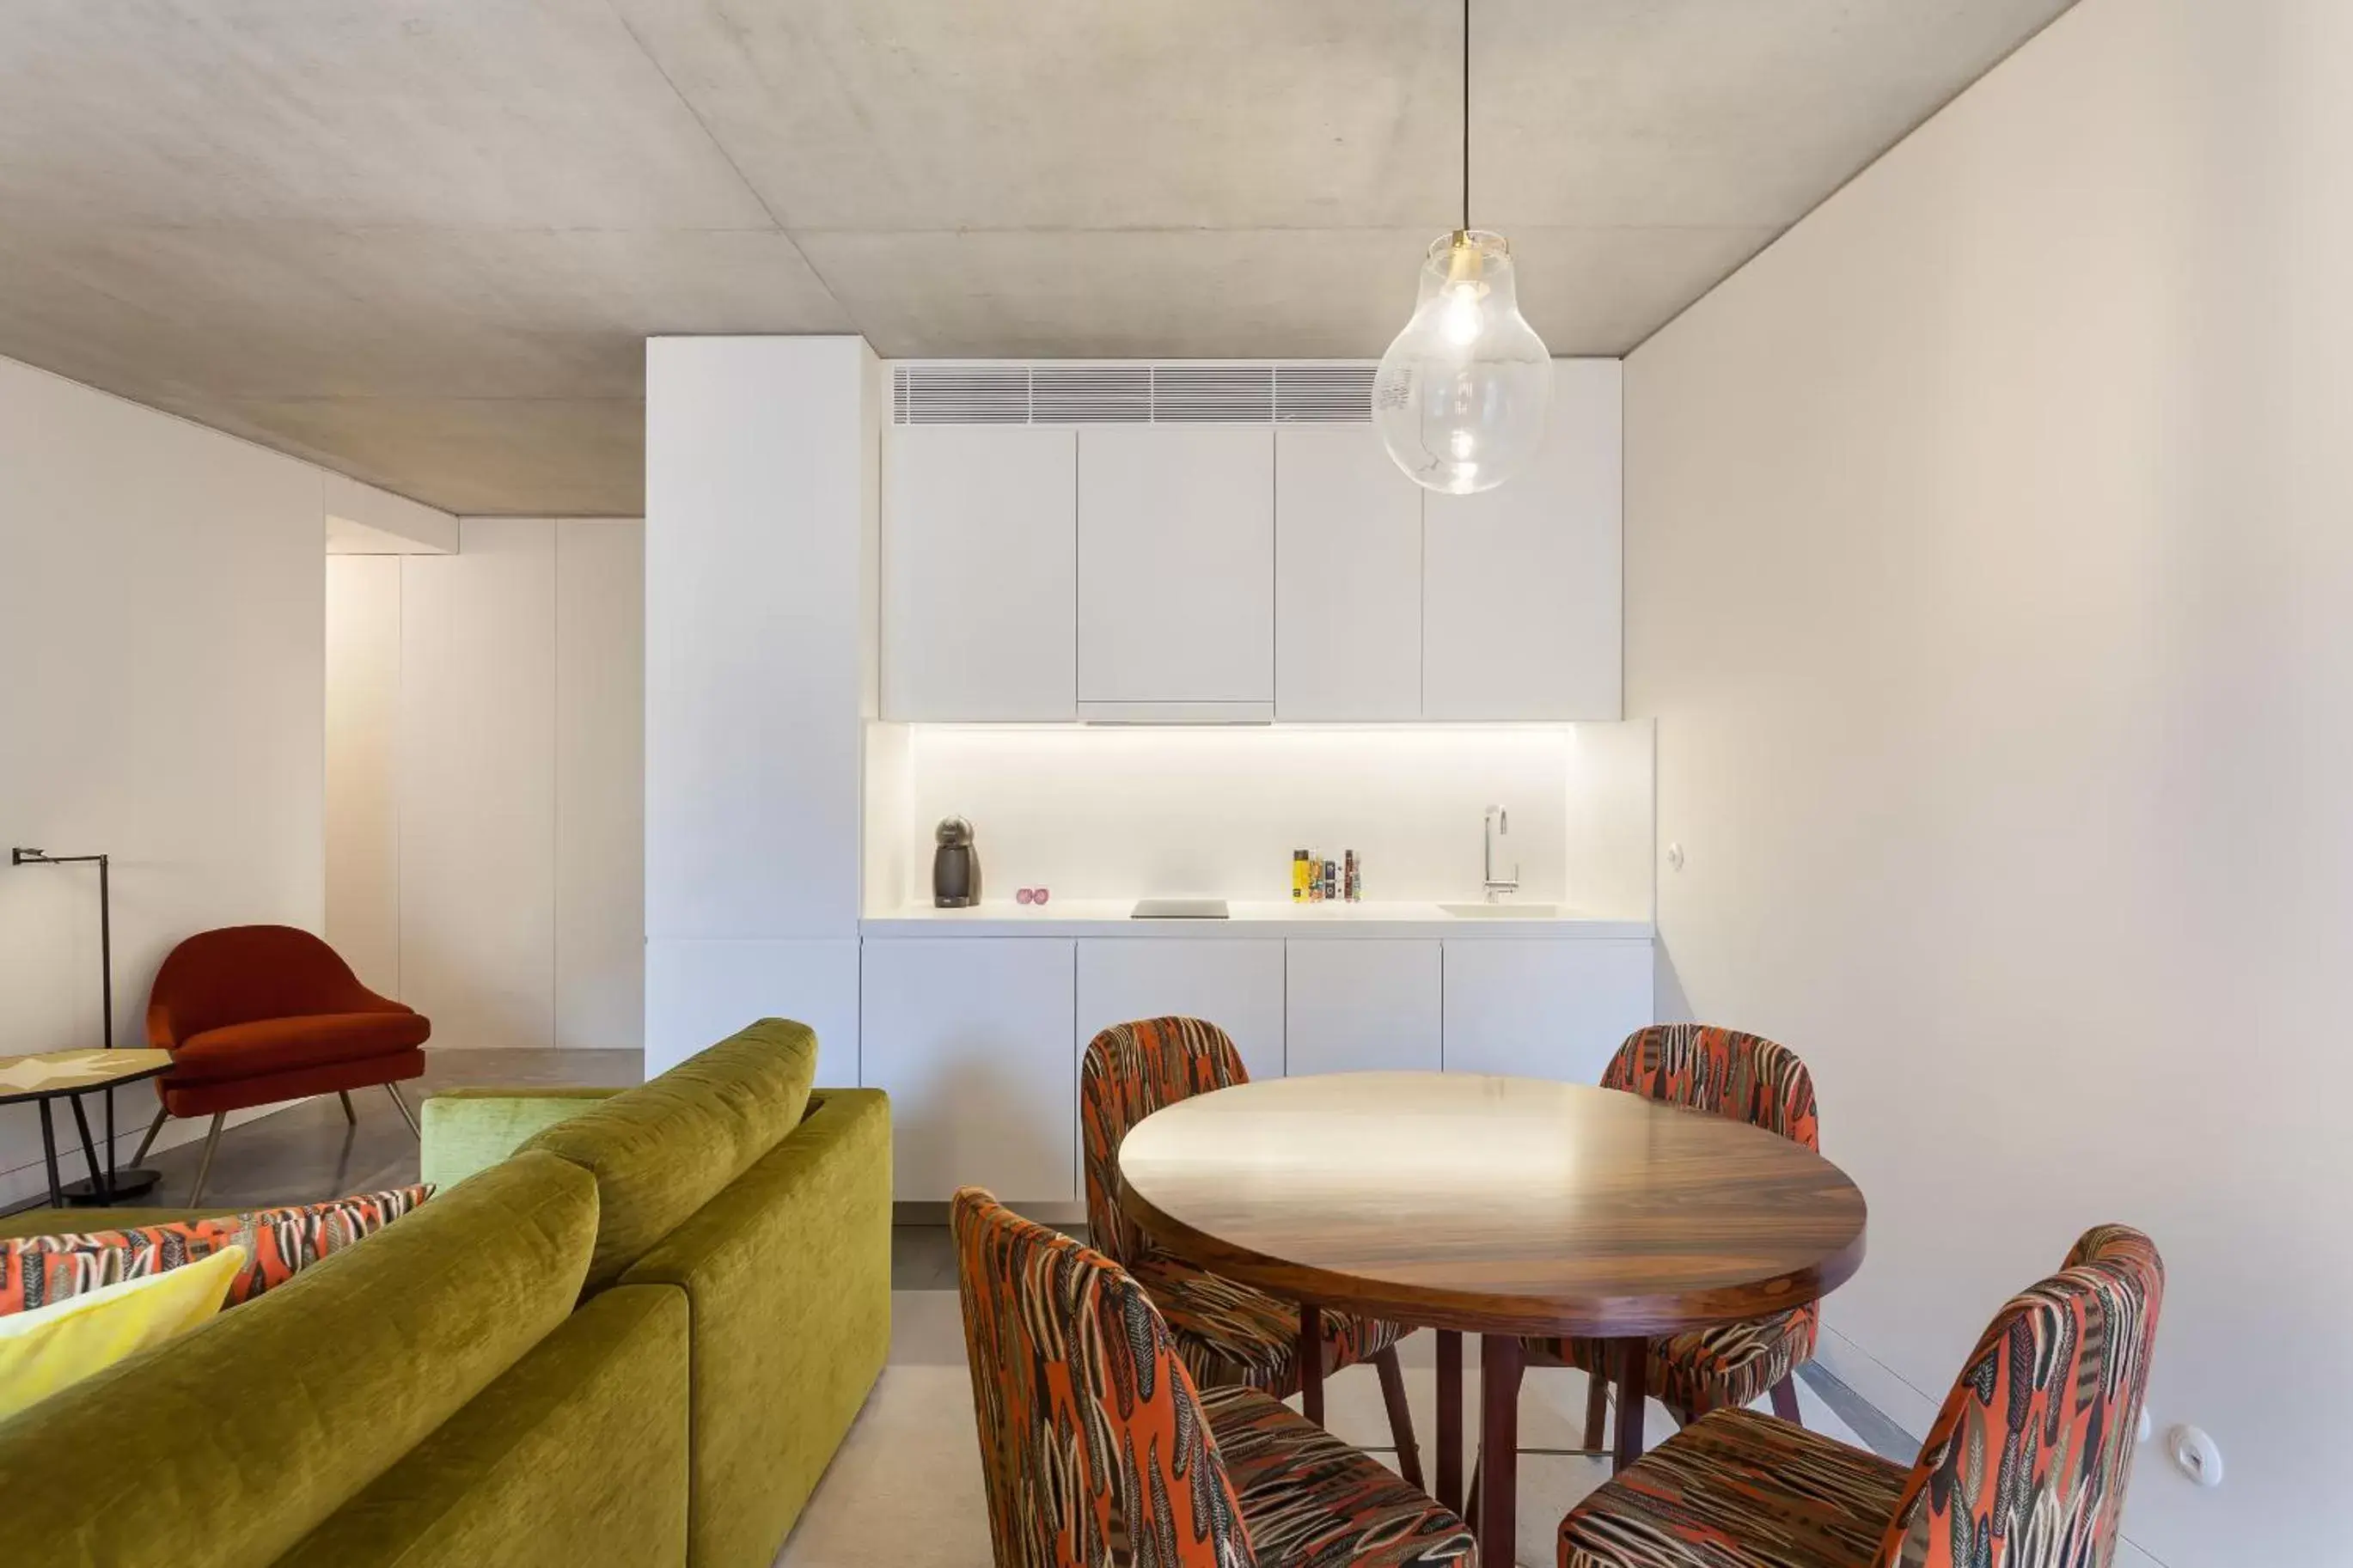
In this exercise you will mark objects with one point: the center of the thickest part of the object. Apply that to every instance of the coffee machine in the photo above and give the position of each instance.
(955, 865)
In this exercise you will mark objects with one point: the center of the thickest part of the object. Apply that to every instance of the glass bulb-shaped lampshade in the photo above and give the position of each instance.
(1462, 396)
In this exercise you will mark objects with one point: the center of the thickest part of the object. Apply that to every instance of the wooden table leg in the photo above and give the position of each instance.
(1450, 1418)
(49, 1155)
(1311, 1362)
(1633, 1377)
(1499, 1449)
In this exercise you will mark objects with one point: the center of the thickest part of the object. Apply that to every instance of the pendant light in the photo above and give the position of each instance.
(1462, 396)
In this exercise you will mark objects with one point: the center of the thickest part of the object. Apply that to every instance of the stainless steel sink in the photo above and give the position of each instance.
(1502, 912)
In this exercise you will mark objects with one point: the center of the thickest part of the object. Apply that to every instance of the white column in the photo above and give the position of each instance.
(761, 462)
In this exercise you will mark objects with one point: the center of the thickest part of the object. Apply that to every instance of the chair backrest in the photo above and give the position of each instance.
(1131, 1071)
(242, 974)
(1745, 1076)
(2028, 1459)
(1090, 1430)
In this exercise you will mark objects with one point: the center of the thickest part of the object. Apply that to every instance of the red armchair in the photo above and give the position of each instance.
(257, 1015)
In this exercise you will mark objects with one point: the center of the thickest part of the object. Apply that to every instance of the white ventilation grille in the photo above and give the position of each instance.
(1129, 391)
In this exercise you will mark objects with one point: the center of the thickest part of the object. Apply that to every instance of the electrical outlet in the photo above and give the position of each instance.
(2195, 1455)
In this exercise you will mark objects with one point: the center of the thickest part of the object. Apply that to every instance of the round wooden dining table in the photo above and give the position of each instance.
(1505, 1207)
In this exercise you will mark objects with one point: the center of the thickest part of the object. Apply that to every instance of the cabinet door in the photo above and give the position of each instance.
(1543, 1009)
(1347, 577)
(971, 1035)
(980, 572)
(1176, 568)
(1355, 1004)
(1523, 585)
(1237, 985)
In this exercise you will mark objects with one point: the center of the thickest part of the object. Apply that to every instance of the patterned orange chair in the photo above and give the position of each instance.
(1751, 1080)
(1096, 1446)
(2026, 1463)
(1227, 1333)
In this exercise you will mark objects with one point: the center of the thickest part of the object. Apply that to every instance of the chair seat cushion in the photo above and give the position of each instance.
(1310, 1500)
(1720, 1368)
(283, 1045)
(1737, 1489)
(1228, 1333)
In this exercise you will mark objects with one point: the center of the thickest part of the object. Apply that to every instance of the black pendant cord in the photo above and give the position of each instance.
(1466, 116)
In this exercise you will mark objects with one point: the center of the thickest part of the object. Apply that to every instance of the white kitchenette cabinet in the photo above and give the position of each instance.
(1535, 1009)
(1354, 1004)
(1235, 984)
(1522, 584)
(1347, 578)
(971, 1038)
(1176, 596)
(980, 572)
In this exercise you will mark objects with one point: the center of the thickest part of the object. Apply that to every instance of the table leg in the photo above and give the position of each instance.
(1499, 1449)
(1450, 1418)
(49, 1155)
(1633, 1375)
(1311, 1361)
(101, 1183)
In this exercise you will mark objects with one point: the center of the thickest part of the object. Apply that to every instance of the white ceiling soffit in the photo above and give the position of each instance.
(422, 241)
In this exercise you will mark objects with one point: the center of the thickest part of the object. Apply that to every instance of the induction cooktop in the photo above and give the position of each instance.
(1179, 910)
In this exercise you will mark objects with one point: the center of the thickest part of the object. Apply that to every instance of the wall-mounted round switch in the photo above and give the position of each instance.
(2195, 1455)
(1675, 857)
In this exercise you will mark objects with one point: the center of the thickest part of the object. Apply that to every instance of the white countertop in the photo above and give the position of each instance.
(1101, 918)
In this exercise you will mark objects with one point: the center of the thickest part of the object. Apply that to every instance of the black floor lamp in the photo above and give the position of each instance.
(119, 1183)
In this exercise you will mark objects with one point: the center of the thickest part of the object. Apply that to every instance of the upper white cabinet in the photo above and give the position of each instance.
(1353, 1005)
(980, 572)
(1175, 597)
(1522, 584)
(1237, 985)
(1348, 577)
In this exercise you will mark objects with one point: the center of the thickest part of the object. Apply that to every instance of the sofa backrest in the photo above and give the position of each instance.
(663, 1150)
(227, 1444)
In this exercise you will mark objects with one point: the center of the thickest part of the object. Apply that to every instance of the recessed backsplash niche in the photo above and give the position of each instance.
(1125, 813)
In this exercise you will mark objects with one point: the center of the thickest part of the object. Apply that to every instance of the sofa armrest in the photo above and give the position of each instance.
(467, 1130)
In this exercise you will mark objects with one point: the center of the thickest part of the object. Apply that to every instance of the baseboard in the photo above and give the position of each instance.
(27, 1185)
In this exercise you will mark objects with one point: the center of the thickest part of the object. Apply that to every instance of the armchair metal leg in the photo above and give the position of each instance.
(349, 1114)
(406, 1114)
(205, 1166)
(149, 1142)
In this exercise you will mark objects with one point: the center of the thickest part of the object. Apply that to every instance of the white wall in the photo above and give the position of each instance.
(1987, 572)
(160, 632)
(1123, 813)
(485, 721)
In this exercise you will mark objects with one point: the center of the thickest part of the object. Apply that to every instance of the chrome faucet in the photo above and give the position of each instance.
(1496, 824)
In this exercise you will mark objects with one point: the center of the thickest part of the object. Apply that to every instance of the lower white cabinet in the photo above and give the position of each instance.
(971, 1037)
(1237, 985)
(1544, 1009)
(1354, 1004)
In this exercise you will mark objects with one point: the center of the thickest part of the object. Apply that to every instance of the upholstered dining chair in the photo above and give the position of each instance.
(2026, 1462)
(1226, 1332)
(1096, 1446)
(256, 1015)
(1748, 1078)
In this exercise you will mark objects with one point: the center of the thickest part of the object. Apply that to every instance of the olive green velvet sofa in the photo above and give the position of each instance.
(631, 1330)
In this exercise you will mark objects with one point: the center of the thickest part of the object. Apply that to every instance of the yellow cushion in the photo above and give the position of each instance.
(54, 1347)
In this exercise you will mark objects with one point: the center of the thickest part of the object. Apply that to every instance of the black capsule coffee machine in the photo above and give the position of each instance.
(955, 865)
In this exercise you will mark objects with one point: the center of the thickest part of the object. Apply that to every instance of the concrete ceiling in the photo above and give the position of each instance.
(419, 241)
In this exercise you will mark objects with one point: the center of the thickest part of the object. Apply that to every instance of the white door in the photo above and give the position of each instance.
(1175, 571)
(1523, 585)
(1355, 1004)
(980, 572)
(971, 1035)
(1544, 1009)
(1347, 577)
(1237, 985)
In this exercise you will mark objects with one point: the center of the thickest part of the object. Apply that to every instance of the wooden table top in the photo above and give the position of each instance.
(45, 1073)
(1491, 1204)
